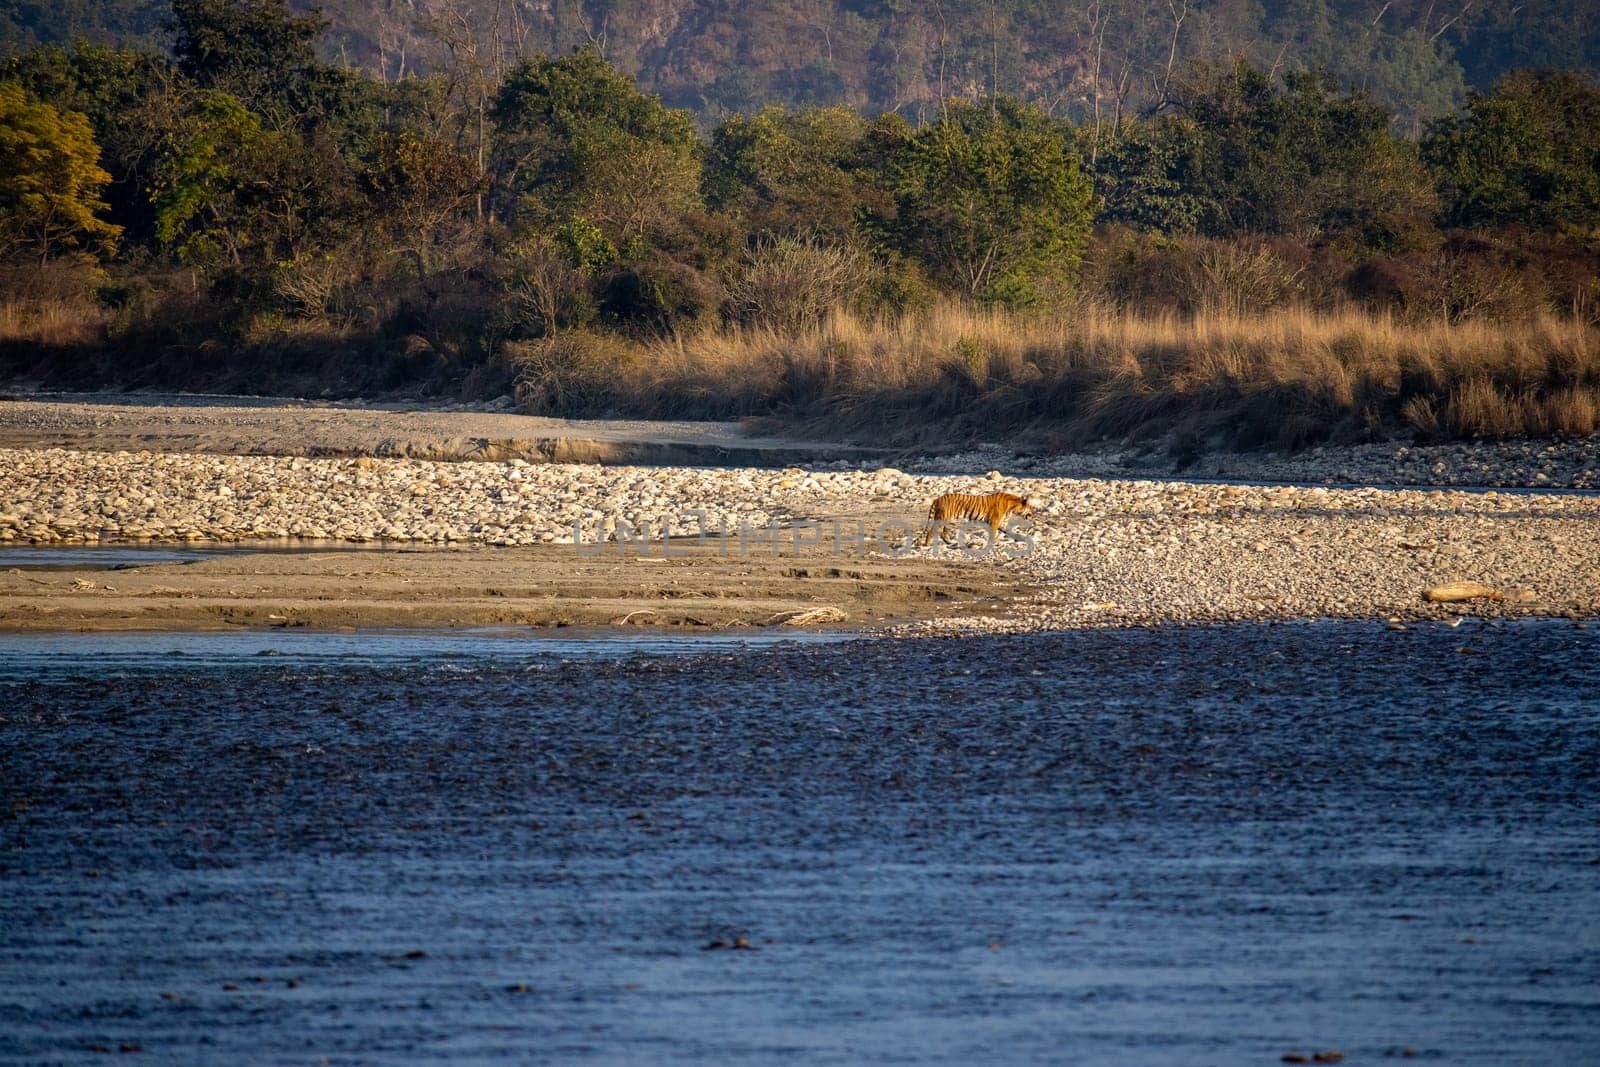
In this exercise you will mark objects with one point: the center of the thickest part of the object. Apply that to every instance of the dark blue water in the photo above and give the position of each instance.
(1164, 847)
(27, 658)
(124, 555)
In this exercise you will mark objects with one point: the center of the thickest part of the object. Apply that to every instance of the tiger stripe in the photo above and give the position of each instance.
(991, 508)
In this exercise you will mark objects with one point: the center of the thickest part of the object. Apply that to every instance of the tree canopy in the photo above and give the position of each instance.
(1081, 61)
(512, 195)
(51, 180)
(1240, 154)
(1528, 152)
(578, 142)
(789, 172)
(991, 199)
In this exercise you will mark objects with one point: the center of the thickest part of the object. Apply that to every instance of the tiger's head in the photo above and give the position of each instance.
(1011, 504)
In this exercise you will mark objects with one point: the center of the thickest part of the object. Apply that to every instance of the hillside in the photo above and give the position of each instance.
(1416, 57)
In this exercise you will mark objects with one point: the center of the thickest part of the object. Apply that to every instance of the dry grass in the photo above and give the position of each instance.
(1286, 378)
(54, 305)
(59, 323)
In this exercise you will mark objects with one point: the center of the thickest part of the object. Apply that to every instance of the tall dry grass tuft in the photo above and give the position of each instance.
(49, 316)
(54, 323)
(1287, 378)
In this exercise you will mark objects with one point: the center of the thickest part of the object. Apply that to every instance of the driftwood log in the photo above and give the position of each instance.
(814, 617)
(1450, 592)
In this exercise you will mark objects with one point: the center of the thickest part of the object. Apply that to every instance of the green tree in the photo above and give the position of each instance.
(1303, 159)
(418, 186)
(1390, 51)
(577, 140)
(990, 200)
(1149, 175)
(1528, 153)
(129, 98)
(249, 48)
(204, 178)
(262, 54)
(1498, 37)
(228, 191)
(25, 23)
(1416, 59)
(51, 180)
(103, 83)
(794, 172)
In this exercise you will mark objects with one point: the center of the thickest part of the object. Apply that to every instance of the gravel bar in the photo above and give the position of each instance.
(1100, 552)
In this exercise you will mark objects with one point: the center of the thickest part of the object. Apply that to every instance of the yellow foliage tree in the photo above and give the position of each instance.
(50, 179)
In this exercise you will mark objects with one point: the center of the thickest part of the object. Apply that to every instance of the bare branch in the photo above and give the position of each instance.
(1272, 71)
(1179, 12)
(1457, 17)
(1095, 13)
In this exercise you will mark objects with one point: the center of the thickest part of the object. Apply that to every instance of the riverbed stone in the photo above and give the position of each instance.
(1161, 551)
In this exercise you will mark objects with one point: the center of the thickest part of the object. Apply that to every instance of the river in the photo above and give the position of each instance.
(1167, 846)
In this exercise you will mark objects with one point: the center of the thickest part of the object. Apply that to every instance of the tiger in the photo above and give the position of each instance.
(994, 509)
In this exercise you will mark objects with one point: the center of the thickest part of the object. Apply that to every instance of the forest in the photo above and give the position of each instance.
(1075, 60)
(1195, 240)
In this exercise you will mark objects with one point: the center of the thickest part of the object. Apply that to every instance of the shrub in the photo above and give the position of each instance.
(789, 282)
(578, 372)
(306, 285)
(1231, 278)
(661, 295)
(544, 291)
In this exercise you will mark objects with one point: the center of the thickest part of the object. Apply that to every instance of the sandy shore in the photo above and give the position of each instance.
(476, 586)
(455, 544)
(763, 543)
(271, 426)
(232, 425)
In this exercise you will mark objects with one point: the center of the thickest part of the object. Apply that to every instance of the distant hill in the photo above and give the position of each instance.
(1416, 57)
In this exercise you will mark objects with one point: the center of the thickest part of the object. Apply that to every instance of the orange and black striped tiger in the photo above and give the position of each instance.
(955, 508)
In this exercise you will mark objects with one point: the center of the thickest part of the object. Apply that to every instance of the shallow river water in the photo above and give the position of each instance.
(1177, 846)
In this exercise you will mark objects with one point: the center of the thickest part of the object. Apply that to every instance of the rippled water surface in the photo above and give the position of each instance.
(31, 657)
(143, 554)
(1166, 847)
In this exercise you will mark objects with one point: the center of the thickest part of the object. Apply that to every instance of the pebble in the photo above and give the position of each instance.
(1100, 551)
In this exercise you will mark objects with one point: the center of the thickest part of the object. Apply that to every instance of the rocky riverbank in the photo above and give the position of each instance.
(1144, 553)
(1515, 464)
(1100, 552)
(277, 426)
(231, 425)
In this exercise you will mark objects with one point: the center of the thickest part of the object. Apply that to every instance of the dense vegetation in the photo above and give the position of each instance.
(239, 212)
(1083, 61)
